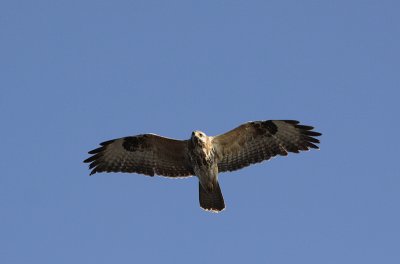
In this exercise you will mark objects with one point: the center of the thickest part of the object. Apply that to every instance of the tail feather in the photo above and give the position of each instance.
(211, 201)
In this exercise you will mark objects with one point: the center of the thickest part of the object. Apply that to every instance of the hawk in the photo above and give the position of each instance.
(203, 156)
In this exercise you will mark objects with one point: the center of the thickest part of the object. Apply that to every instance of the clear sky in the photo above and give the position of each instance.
(76, 73)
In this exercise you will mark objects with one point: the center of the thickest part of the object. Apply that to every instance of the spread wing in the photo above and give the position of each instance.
(146, 154)
(257, 141)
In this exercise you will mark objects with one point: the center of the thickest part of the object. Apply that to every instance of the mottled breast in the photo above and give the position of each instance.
(205, 165)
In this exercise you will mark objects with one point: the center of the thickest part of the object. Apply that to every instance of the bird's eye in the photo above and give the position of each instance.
(200, 135)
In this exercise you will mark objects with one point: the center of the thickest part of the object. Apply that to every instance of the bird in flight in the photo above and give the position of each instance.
(203, 156)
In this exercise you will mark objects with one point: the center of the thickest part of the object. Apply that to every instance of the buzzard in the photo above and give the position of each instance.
(203, 156)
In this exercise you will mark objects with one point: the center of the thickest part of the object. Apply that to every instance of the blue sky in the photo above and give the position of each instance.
(76, 73)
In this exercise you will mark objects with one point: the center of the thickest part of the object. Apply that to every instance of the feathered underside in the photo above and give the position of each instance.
(146, 154)
(247, 144)
(257, 141)
(250, 143)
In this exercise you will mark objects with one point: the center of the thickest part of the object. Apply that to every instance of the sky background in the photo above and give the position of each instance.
(76, 73)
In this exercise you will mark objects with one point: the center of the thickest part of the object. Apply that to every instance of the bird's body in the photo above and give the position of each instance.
(203, 156)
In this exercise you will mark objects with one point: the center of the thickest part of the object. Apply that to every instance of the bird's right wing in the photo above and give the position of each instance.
(257, 141)
(147, 154)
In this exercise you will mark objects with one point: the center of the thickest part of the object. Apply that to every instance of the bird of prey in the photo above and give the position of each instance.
(203, 156)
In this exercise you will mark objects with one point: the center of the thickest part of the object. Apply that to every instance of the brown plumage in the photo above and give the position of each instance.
(202, 155)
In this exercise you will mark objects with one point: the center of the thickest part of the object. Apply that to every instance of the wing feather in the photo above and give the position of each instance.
(146, 154)
(254, 142)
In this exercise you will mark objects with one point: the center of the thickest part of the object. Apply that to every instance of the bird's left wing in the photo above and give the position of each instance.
(256, 141)
(147, 154)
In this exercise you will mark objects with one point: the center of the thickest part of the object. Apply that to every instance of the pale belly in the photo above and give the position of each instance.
(207, 175)
(205, 166)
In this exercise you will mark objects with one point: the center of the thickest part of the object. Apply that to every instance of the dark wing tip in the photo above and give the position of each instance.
(307, 130)
(93, 162)
(311, 145)
(303, 127)
(95, 159)
(311, 139)
(95, 167)
(95, 151)
(92, 158)
(311, 133)
(308, 136)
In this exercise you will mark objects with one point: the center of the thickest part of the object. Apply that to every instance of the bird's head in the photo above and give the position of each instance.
(199, 137)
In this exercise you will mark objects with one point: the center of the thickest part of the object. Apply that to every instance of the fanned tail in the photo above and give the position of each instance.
(211, 201)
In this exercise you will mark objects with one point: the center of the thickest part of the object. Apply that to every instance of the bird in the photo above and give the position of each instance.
(203, 156)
